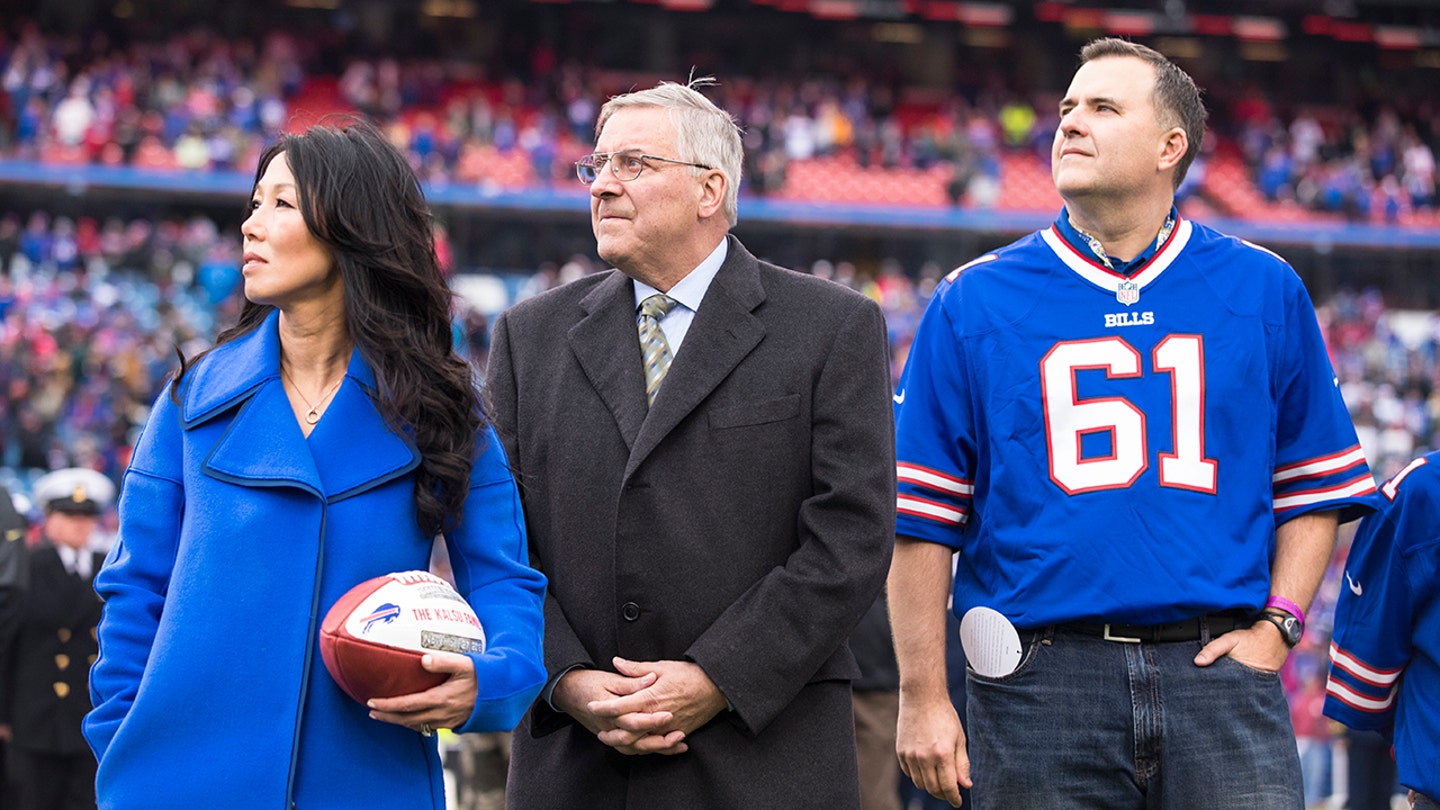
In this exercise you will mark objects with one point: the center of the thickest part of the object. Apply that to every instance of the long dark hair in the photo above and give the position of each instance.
(360, 198)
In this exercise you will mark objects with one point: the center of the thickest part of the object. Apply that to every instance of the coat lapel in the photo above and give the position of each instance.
(607, 346)
(353, 448)
(350, 450)
(263, 446)
(723, 333)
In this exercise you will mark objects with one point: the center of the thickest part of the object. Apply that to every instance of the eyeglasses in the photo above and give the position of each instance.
(626, 166)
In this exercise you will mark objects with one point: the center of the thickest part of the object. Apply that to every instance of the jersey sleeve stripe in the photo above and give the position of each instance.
(1357, 701)
(1323, 465)
(933, 479)
(931, 510)
(1362, 671)
(1364, 485)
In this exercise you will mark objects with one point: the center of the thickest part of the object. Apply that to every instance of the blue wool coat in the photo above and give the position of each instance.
(237, 534)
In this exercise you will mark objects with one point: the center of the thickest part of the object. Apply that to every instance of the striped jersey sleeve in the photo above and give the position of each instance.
(1318, 482)
(933, 495)
(1373, 616)
(935, 435)
(1318, 462)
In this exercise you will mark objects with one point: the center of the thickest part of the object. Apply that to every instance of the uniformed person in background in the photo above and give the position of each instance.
(14, 577)
(44, 670)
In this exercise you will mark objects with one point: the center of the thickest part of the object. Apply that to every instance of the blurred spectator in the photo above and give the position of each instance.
(876, 700)
(44, 665)
(1017, 120)
(1312, 734)
(14, 582)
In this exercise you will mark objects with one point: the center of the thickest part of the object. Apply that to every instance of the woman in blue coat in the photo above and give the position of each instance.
(326, 439)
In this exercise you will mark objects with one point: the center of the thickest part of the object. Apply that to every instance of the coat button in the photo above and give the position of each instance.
(62, 662)
(62, 689)
(630, 611)
(63, 634)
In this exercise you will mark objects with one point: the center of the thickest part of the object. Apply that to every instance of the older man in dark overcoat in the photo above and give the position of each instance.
(705, 452)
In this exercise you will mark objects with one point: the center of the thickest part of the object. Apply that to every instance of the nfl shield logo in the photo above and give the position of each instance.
(1127, 293)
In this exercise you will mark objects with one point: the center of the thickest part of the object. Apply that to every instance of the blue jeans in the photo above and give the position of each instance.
(1090, 723)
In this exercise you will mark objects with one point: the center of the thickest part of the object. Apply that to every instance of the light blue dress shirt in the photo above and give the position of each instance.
(689, 293)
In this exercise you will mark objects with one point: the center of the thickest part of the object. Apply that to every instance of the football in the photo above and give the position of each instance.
(373, 638)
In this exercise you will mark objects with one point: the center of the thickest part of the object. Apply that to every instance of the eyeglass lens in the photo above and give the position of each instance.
(625, 165)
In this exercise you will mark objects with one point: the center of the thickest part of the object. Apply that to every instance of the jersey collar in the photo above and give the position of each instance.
(1072, 248)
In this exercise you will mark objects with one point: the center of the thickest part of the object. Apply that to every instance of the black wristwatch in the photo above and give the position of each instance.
(1290, 628)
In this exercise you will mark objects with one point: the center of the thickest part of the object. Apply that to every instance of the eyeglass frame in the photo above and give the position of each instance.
(581, 166)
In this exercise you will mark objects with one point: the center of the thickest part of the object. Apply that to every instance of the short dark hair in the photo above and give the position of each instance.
(1175, 96)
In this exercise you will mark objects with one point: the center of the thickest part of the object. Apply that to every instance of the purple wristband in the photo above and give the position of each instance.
(1287, 606)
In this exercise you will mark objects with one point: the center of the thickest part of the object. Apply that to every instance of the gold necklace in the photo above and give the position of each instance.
(313, 415)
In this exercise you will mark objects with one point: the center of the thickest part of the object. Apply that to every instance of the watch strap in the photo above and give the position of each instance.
(1281, 603)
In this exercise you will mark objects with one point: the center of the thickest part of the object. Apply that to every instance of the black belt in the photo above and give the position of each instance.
(1188, 630)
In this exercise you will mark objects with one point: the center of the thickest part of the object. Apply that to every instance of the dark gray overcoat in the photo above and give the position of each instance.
(744, 522)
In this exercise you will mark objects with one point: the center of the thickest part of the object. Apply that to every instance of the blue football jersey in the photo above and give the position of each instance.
(1098, 446)
(1385, 652)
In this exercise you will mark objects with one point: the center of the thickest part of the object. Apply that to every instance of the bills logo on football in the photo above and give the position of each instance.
(1129, 319)
(383, 614)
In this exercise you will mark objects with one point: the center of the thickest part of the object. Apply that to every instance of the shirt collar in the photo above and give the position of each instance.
(1087, 245)
(691, 289)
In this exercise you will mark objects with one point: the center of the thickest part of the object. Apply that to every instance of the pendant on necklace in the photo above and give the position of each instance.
(312, 417)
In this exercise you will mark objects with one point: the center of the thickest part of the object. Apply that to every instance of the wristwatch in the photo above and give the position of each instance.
(1289, 626)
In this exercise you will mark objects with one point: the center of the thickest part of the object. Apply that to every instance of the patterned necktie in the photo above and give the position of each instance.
(654, 349)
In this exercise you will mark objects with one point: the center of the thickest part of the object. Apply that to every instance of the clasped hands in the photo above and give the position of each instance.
(644, 707)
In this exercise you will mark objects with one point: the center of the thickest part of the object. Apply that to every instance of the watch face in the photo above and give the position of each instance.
(1292, 630)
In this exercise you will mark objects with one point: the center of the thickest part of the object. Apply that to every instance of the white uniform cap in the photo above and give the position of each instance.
(76, 490)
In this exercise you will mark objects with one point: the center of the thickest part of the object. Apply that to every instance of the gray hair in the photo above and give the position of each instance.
(704, 133)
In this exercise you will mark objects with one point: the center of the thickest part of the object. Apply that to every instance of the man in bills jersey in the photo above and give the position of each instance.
(1128, 428)
(1385, 653)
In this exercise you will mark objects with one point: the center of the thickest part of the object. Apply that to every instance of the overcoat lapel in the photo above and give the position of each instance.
(607, 346)
(724, 331)
(264, 446)
(354, 450)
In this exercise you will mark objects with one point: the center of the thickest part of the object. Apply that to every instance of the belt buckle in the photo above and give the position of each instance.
(1125, 639)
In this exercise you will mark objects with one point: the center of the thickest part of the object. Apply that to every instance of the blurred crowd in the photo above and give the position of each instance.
(92, 315)
(191, 101)
(1363, 162)
(196, 101)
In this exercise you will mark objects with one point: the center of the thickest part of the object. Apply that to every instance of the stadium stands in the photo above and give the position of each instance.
(196, 102)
